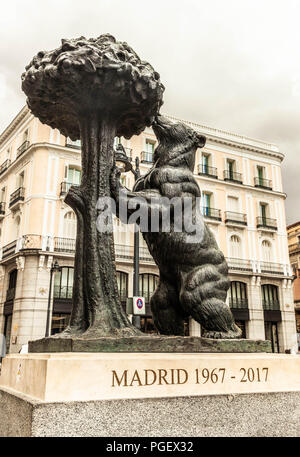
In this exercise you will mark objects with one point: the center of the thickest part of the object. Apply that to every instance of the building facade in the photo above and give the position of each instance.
(242, 202)
(293, 232)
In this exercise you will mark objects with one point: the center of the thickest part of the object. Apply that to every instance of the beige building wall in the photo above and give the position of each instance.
(36, 224)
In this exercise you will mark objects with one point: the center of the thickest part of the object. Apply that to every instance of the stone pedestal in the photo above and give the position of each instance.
(113, 394)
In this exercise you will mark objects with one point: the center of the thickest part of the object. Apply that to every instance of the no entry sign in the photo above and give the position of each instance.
(139, 305)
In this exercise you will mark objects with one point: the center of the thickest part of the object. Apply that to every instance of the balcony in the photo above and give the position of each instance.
(233, 218)
(211, 213)
(238, 303)
(63, 292)
(266, 223)
(21, 149)
(271, 268)
(16, 198)
(262, 183)
(123, 252)
(2, 209)
(271, 305)
(146, 157)
(9, 249)
(73, 144)
(64, 188)
(239, 264)
(233, 176)
(31, 242)
(205, 170)
(64, 245)
(294, 247)
(5, 166)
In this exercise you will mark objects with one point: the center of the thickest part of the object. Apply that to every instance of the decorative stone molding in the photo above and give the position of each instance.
(20, 261)
(41, 262)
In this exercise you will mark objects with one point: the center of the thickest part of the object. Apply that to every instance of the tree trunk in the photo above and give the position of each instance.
(97, 309)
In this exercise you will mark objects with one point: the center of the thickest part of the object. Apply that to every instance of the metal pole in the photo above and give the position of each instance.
(136, 320)
(49, 303)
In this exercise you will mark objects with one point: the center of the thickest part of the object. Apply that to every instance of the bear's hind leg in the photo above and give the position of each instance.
(203, 294)
(167, 315)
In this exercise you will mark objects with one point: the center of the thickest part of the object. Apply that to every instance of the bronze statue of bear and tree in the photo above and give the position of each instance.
(193, 276)
(94, 90)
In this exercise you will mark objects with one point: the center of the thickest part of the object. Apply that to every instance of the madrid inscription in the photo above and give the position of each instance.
(174, 376)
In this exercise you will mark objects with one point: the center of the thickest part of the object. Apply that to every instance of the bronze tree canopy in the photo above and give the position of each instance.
(94, 89)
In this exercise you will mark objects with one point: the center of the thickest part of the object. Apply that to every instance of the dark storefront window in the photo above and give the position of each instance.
(63, 283)
(122, 281)
(272, 314)
(238, 302)
(147, 285)
(62, 299)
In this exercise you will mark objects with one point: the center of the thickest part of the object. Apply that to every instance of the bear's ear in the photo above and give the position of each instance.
(201, 140)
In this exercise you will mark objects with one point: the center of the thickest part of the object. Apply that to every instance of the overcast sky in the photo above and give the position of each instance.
(231, 64)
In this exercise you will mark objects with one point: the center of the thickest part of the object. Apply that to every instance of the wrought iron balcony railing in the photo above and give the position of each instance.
(205, 170)
(263, 183)
(233, 176)
(238, 303)
(21, 149)
(233, 217)
(64, 187)
(73, 144)
(211, 213)
(266, 222)
(63, 292)
(271, 305)
(146, 157)
(17, 196)
(5, 166)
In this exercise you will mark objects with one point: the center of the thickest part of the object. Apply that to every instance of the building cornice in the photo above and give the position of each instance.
(235, 140)
(14, 124)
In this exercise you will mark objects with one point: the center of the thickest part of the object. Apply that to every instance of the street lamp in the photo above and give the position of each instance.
(124, 164)
(54, 268)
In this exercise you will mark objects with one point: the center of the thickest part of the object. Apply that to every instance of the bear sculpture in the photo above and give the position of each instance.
(193, 275)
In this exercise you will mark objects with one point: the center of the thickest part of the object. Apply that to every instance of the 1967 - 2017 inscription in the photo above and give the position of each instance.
(172, 376)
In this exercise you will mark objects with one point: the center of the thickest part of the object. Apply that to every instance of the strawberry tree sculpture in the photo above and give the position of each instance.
(94, 90)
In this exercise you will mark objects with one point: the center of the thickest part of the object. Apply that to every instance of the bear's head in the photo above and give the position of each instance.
(177, 143)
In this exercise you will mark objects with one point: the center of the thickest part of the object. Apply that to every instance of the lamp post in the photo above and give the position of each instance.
(54, 268)
(125, 165)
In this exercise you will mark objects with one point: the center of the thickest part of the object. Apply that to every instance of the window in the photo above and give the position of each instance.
(59, 322)
(260, 175)
(20, 180)
(231, 168)
(263, 209)
(74, 176)
(205, 163)
(235, 247)
(270, 300)
(266, 251)
(63, 283)
(238, 295)
(233, 204)
(16, 228)
(70, 225)
(3, 194)
(149, 150)
(147, 285)
(122, 281)
(206, 199)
